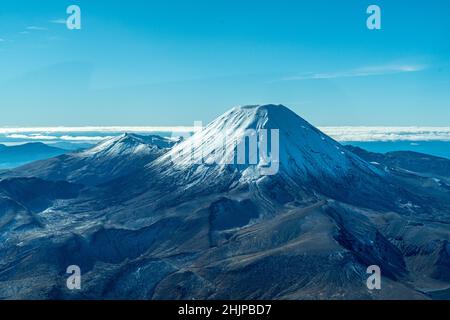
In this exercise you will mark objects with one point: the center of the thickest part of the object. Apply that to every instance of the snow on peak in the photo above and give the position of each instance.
(303, 150)
(127, 144)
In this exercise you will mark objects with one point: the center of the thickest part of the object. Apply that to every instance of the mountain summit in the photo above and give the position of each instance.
(127, 144)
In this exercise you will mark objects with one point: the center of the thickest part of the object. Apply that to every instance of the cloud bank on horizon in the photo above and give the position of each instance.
(372, 134)
(343, 133)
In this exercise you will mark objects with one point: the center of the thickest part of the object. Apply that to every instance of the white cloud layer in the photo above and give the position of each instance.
(120, 129)
(43, 137)
(388, 133)
(347, 134)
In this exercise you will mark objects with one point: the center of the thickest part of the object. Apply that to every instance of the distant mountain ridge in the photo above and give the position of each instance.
(13, 156)
(408, 160)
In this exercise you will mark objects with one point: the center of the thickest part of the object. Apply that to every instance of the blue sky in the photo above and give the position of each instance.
(173, 62)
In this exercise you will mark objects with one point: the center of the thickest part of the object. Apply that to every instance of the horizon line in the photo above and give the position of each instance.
(116, 128)
(339, 133)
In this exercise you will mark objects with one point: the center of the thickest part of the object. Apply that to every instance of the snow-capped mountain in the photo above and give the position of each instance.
(106, 161)
(304, 151)
(126, 145)
(308, 163)
(177, 227)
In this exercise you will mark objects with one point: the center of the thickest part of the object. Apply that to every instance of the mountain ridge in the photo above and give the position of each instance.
(103, 162)
(14, 156)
